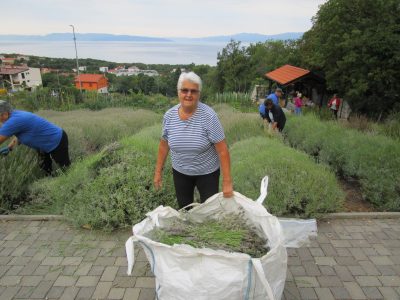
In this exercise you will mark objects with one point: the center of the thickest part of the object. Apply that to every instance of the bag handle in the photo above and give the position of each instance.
(261, 275)
(194, 204)
(263, 190)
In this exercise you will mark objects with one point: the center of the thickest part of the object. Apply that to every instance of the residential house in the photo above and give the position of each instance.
(92, 82)
(103, 69)
(20, 77)
(8, 61)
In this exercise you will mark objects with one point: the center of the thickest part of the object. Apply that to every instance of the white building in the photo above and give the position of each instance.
(20, 77)
(103, 69)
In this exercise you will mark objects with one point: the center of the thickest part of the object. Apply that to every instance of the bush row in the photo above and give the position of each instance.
(373, 159)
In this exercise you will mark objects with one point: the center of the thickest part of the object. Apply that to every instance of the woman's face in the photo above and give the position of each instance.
(189, 95)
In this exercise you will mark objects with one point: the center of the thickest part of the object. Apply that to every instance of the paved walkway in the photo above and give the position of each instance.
(350, 259)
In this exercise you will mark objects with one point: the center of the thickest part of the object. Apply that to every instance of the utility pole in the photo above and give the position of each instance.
(77, 62)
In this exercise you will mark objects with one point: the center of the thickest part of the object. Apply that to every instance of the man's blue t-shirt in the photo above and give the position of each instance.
(274, 98)
(32, 131)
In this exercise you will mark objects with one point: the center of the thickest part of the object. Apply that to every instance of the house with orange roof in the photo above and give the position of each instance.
(92, 82)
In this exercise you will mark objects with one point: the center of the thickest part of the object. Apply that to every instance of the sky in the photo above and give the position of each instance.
(157, 18)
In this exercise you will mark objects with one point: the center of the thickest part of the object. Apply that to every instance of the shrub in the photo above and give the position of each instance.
(297, 186)
(18, 169)
(111, 189)
(373, 159)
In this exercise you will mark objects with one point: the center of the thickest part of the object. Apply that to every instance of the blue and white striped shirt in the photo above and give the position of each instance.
(191, 141)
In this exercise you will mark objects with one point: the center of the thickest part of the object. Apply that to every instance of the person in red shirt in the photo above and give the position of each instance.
(334, 105)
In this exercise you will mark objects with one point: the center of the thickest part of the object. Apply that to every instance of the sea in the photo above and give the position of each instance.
(121, 52)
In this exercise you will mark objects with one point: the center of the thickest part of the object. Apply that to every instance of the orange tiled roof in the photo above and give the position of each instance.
(286, 74)
(89, 77)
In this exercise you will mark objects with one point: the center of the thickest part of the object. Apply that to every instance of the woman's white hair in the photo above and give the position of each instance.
(190, 76)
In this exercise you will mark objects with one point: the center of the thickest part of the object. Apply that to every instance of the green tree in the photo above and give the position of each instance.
(357, 45)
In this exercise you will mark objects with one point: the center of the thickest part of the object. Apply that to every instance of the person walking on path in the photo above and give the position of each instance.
(334, 105)
(28, 129)
(298, 104)
(274, 115)
(194, 135)
(275, 96)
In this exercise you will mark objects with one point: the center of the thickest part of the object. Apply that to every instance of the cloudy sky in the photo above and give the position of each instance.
(158, 18)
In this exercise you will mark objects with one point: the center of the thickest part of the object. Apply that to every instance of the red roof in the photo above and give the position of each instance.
(89, 77)
(12, 70)
(286, 74)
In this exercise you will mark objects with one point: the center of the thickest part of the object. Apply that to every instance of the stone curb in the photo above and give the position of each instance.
(32, 218)
(343, 215)
(361, 215)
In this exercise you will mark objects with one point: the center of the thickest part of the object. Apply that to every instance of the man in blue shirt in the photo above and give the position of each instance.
(275, 96)
(49, 140)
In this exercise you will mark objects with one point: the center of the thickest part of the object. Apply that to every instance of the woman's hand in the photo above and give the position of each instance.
(157, 181)
(227, 189)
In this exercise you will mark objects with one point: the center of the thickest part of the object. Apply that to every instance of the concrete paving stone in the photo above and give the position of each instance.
(21, 237)
(52, 261)
(390, 280)
(360, 243)
(340, 293)
(292, 261)
(97, 270)
(343, 273)
(11, 244)
(87, 281)
(53, 273)
(40, 255)
(11, 236)
(10, 280)
(354, 290)
(316, 251)
(297, 270)
(304, 254)
(30, 268)
(343, 252)
(389, 293)
(322, 238)
(121, 261)
(147, 294)
(14, 270)
(358, 253)
(346, 261)
(328, 250)
(329, 281)
(24, 292)
(131, 294)
(31, 280)
(9, 293)
(306, 281)
(368, 281)
(116, 293)
(41, 270)
(355, 228)
(311, 268)
(83, 269)
(140, 268)
(6, 251)
(395, 259)
(307, 293)
(369, 267)
(69, 293)
(124, 282)
(5, 260)
(325, 261)
(289, 275)
(55, 292)
(324, 293)
(386, 270)
(20, 250)
(102, 290)
(327, 270)
(71, 261)
(109, 273)
(3, 270)
(42, 289)
(69, 270)
(145, 282)
(65, 281)
(391, 243)
(381, 260)
(85, 293)
(19, 261)
(104, 261)
(372, 293)
(340, 243)
(91, 255)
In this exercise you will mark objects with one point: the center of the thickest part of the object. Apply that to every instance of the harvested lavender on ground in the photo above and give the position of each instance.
(231, 233)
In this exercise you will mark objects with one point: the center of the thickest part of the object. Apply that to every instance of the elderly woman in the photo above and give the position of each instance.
(49, 140)
(194, 134)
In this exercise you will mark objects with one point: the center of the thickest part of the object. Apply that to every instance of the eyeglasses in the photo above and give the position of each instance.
(192, 91)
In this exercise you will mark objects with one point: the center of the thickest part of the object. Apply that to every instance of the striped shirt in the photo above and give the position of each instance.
(191, 141)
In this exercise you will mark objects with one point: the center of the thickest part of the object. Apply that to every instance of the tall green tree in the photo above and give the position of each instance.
(357, 45)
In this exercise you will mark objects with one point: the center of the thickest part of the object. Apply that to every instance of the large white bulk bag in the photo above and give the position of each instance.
(187, 273)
